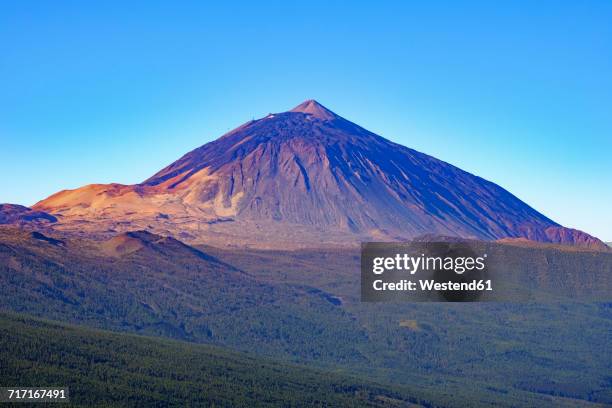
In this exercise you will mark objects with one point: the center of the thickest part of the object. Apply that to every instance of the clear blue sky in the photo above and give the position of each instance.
(519, 93)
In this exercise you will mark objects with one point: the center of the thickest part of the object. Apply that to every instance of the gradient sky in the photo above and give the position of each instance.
(519, 93)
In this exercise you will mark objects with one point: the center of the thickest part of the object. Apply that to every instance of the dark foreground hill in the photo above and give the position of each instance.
(102, 368)
(303, 178)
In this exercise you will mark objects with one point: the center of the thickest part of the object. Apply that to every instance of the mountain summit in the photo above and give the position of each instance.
(315, 109)
(306, 177)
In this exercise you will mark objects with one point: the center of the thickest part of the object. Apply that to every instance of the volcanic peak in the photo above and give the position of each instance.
(315, 109)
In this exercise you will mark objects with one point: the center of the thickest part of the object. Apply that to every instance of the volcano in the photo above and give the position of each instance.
(305, 177)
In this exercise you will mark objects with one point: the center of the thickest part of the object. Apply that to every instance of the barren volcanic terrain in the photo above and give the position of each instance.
(303, 178)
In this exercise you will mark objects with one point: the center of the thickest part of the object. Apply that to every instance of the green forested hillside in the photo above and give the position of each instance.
(104, 368)
(168, 289)
(303, 307)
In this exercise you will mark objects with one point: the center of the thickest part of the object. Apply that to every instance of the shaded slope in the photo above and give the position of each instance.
(18, 214)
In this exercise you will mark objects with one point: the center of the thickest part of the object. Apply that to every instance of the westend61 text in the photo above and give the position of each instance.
(432, 285)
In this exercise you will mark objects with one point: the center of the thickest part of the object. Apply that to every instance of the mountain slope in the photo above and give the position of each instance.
(18, 214)
(153, 285)
(304, 306)
(307, 175)
(111, 369)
